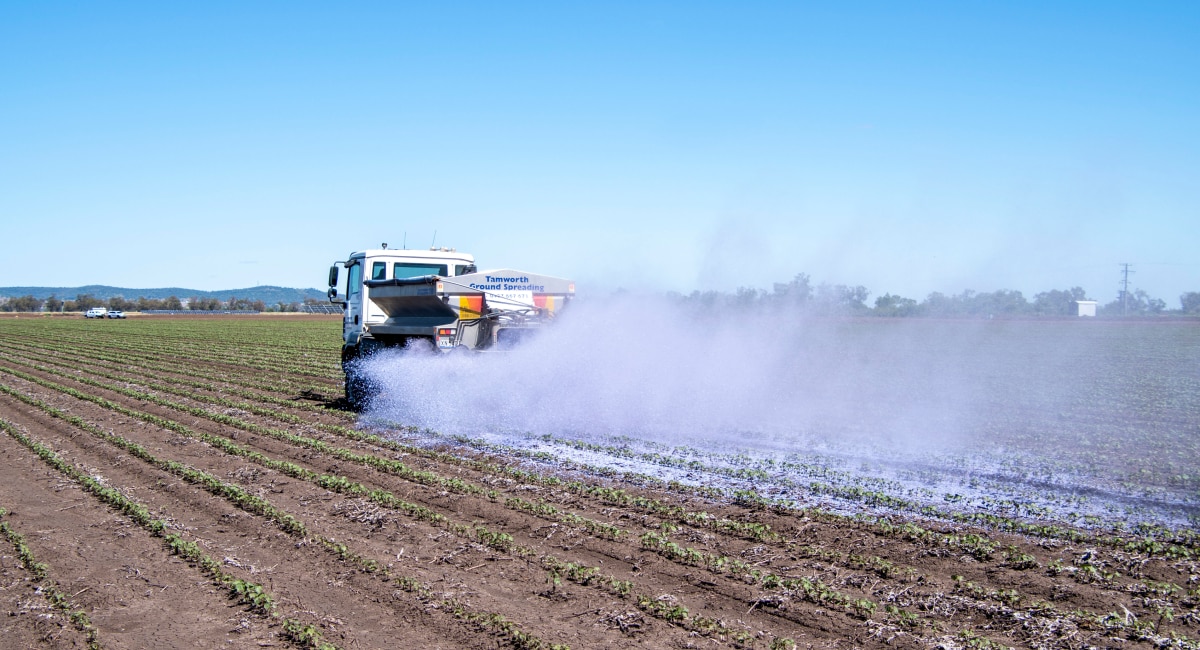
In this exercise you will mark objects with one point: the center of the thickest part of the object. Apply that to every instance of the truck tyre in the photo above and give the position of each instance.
(358, 388)
(358, 385)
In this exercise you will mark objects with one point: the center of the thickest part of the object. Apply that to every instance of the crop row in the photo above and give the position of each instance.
(255, 595)
(46, 585)
(1151, 540)
(860, 605)
(498, 541)
(111, 368)
(875, 497)
(283, 384)
(241, 591)
(1148, 538)
(586, 576)
(218, 353)
(756, 530)
(973, 544)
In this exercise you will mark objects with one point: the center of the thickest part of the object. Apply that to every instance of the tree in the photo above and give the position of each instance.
(120, 303)
(1002, 301)
(940, 305)
(889, 305)
(204, 304)
(796, 292)
(86, 301)
(841, 298)
(1152, 305)
(1138, 303)
(24, 303)
(148, 304)
(172, 303)
(1058, 303)
(1190, 302)
(240, 303)
(970, 303)
(53, 303)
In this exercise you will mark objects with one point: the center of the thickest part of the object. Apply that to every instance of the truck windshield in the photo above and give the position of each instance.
(412, 270)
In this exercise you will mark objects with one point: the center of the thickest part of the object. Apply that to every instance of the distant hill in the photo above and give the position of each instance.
(269, 294)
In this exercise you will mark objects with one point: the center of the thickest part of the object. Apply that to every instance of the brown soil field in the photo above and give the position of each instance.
(180, 483)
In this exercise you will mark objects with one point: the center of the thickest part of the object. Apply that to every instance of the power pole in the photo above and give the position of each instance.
(1125, 288)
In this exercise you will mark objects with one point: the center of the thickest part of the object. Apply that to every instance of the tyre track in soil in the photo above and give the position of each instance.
(722, 598)
(987, 571)
(420, 543)
(124, 579)
(306, 584)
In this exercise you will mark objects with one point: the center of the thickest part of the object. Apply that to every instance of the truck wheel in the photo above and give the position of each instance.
(355, 390)
(358, 388)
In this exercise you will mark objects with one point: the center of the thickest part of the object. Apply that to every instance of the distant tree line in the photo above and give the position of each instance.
(838, 299)
(84, 302)
(824, 299)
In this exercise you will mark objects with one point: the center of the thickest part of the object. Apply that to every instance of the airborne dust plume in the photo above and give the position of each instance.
(1027, 412)
(643, 367)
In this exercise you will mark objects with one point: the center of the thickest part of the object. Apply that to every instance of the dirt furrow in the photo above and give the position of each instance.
(959, 585)
(362, 526)
(621, 560)
(306, 584)
(122, 578)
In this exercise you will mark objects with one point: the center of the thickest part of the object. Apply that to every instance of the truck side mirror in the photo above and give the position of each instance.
(332, 293)
(333, 276)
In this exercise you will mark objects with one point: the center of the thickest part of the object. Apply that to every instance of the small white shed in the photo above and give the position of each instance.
(1085, 307)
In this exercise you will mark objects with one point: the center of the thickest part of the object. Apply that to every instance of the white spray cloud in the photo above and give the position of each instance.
(642, 366)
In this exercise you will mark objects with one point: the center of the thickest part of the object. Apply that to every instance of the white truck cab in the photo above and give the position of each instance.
(436, 300)
(380, 264)
(96, 312)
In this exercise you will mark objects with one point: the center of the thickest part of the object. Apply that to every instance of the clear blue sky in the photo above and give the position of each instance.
(908, 147)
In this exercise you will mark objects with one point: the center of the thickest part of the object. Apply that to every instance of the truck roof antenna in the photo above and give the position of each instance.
(434, 242)
(404, 246)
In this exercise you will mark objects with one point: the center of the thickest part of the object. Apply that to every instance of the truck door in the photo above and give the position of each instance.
(371, 314)
(352, 320)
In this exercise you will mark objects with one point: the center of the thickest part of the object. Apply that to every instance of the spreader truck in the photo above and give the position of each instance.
(435, 301)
